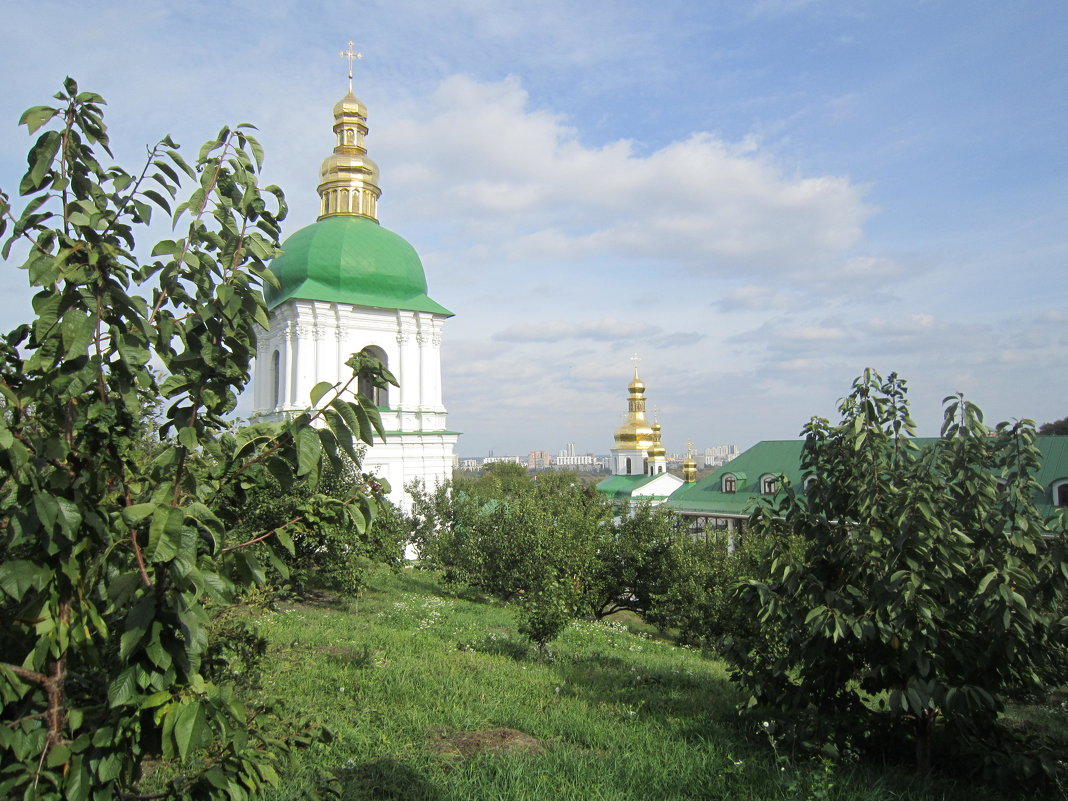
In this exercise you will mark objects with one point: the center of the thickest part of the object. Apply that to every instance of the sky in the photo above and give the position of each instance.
(759, 199)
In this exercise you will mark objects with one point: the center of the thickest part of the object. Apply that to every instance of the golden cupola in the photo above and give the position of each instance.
(657, 451)
(689, 469)
(635, 433)
(348, 179)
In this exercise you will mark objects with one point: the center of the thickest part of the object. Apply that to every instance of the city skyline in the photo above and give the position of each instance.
(760, 199)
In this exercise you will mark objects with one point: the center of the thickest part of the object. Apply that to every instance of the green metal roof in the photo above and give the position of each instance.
(618, 487)
(774, 457)
(351, 259)
(707, 496)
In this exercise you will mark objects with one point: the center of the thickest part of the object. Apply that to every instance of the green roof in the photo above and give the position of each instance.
(707, 496)
(350, 259)
(774, 457)
(620, 487)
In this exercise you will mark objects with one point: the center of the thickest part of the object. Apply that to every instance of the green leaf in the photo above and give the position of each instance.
(188, 437)
(40, 162)
(164, 533)
(122, 689)
(33, 118)
(68, 516)
(17, 576)
(190, 728)
(308, 451)
(132, 515)
(319, 390)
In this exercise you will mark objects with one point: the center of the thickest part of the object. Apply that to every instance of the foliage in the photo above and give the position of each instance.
(693, 594)
(927, 584)
(630, 554)
(517, 538)
(112, 540)
(1058, 427)
(329, 550)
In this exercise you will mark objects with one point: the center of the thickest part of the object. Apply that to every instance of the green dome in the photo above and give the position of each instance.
(351, 259)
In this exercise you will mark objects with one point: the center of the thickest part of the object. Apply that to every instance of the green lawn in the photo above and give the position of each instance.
(414, 679)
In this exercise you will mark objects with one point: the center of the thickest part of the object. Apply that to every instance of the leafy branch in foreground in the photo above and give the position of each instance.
(112, 540)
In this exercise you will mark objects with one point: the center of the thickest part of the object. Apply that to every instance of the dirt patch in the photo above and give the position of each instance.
(466, 744)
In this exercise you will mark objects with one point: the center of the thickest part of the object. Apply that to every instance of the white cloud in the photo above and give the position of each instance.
(476, 154)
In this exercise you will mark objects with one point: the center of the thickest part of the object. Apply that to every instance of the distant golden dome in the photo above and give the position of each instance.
(657, 450)
(689, 469)
(635, 433)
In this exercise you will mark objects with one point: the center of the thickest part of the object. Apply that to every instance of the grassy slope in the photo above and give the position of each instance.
(620, 716)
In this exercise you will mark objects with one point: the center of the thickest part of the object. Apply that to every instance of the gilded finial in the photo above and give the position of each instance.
(351, 55)
(348, 184)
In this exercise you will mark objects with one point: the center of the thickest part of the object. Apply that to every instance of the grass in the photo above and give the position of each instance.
(617, 715)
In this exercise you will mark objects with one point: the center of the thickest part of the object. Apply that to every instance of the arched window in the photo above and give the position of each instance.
(379, 396)
(645, 467)
(769, 484)
(628, 465)
(730, 483)
(1059, 491)
(276, 378)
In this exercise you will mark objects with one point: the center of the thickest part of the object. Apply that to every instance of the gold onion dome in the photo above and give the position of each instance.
(349, 178)
(689, 469)
(635, 433)
(657, 451)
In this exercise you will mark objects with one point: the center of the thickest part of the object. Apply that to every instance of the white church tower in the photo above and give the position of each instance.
(347, 283)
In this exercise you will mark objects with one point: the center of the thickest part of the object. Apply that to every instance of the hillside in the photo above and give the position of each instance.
(432, 696)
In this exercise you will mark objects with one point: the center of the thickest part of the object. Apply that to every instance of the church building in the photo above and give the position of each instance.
(639, 460)
(346, 283)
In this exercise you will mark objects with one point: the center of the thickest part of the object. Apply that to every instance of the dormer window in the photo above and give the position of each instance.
(730, 483)
(769, 484)
(1059, 491)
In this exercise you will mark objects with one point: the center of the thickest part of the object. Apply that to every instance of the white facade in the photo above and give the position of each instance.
(309, 341)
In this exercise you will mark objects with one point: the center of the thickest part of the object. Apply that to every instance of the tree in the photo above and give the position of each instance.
(1057, 427)
(631, 553)
(533, 542)
(328, 549)
(109, 548)
(927, 585)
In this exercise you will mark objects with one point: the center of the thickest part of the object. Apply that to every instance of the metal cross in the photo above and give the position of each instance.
(351, 55)
(635, 358)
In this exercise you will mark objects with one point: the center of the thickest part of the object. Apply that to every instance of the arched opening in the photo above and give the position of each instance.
(769, 484)
(628, 465)
(730, 483)
(1059, 490)
(276, 378)
(379, 396)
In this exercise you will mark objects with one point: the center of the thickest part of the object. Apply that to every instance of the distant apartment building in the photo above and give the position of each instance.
(538, 460)
(509, 459)
(469, 464)
(719, 455)
(585, 463)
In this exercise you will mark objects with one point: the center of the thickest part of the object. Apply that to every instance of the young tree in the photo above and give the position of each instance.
(108, 547)
(927, 585)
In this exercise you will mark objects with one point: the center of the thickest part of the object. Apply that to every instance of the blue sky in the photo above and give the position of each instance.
(760, 199)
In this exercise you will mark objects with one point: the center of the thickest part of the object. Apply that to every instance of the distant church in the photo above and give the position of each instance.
(347, 283)
(639, 459)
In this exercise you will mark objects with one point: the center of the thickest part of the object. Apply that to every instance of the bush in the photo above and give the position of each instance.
(329, 549)
(927, 585)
